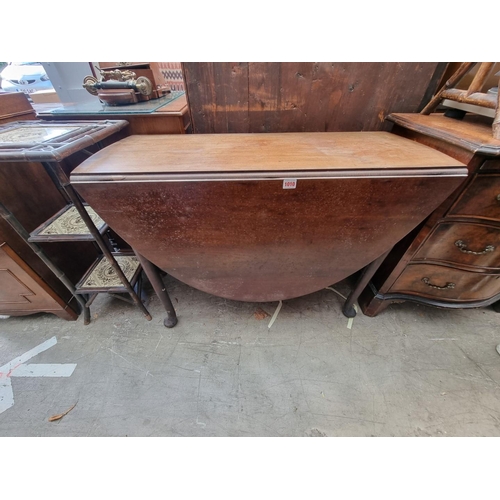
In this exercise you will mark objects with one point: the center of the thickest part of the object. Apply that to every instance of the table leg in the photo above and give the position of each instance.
(156, 281)
(363, 280)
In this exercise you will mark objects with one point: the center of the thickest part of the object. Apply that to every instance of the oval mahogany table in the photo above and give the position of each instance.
(265, 217)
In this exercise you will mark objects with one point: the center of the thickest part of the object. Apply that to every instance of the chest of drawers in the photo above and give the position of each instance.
(453, 258)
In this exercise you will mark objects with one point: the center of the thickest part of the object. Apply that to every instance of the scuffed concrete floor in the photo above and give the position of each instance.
(411, 371)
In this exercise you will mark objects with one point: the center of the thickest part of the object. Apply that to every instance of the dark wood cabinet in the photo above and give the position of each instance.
(15, 107)
(167, 115)
(453, 259)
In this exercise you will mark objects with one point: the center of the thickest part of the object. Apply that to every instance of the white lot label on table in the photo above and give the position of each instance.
(289, 183)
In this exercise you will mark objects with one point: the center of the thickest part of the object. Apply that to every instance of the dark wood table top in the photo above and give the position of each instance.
(216, 212)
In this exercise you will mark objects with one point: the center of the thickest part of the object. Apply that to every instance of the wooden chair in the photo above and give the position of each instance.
(473, 95)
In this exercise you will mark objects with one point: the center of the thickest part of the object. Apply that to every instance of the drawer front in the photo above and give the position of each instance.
(490, 165)
(19, 291)
(481, 199)
(461, 243)
(440, 282)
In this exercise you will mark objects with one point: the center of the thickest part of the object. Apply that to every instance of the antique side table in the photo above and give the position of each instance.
(38, 206)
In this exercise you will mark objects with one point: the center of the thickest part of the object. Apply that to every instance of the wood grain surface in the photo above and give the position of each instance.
(15, 106)
(191, 153)
(252, 240)
(481, 200)
(468, 286)
(480, 245)
(228, 97)
(24, 292)
(469, 133)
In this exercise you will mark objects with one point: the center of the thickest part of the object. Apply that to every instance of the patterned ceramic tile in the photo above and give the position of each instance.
(105, 276)
(70, 222)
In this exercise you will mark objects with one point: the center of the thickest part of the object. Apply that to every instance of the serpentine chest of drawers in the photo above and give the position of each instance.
(452, 259)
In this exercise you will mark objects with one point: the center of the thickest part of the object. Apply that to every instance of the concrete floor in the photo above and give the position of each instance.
(411, 371)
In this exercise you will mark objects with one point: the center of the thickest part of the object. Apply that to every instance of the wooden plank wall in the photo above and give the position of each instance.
(305, 97)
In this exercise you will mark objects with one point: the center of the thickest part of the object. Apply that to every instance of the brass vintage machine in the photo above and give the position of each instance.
(125, 85)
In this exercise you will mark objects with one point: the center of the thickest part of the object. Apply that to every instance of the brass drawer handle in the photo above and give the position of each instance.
(448, 285)
(463, 248)
(498, 197)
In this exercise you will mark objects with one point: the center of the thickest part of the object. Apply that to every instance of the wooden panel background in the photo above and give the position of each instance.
(305, 97)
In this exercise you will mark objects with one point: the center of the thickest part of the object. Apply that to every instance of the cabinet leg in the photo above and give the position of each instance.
(363, 280)
(374, 306)
(154, 277)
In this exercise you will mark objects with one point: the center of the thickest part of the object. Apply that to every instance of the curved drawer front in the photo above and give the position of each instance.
(461, 243)
(446, 283)
(481, 199)
(490, 165)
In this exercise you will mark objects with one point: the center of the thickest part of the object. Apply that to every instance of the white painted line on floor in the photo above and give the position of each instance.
(18, 368)
(28, 355)
(6, 394)
(54, 370)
